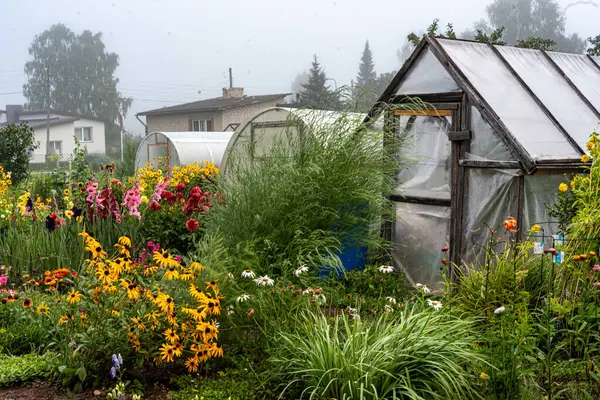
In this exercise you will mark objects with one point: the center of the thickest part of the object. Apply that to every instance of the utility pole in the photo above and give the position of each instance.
(121, 125)
(230, 78)
(47, 112)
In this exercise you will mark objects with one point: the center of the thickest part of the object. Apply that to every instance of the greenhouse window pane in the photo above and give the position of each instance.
(582, 72)
(515, 107)
(485, 143)
(427, 75)
(552, 90)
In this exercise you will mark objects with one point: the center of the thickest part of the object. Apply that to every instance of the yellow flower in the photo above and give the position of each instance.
(79, 219)
(563, 187)
(66, 192)
(70, 205)
(125, 241)
(63, 319)
(144, 199)
(589, 145)
(115, 313)
(74, 296)
(192, 364)
(42, 309)
(536, 228)
(167, 352)
(66, 199)
(483, 376)
(68, 214)
(164, 259)
(171, 335)
(48, 200)
(585, 158)
(165, 303)
(171, 273)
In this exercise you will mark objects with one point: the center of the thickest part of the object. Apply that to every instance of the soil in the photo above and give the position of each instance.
(44, 391)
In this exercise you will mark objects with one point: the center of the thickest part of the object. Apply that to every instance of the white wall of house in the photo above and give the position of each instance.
(65, 132)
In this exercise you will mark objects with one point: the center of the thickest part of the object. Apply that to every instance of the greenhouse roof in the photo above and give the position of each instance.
(543, 104)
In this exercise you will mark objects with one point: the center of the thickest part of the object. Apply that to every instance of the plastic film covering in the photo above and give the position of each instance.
(427, 75)
(553, 90)
(541, 191)
(429, 175)
(515, 107)
(420, 233)
(492, 196)
(582, 72)
(485, 144)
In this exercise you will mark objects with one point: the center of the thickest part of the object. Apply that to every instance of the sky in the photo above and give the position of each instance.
(175, 51)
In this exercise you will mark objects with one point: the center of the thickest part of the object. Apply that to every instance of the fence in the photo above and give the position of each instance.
(42, 163)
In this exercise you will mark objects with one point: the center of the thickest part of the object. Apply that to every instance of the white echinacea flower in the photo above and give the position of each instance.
(391, 299)
(499, 310)
(423, 288)
(300, 270)
(264, 281)
(386, 269)
(437, 305)
(388, 309)
(242, 298)
(248, 273)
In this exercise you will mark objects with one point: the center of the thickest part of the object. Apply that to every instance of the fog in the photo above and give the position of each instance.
(172, 49)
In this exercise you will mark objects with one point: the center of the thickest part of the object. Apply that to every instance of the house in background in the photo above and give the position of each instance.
(90, 131)
(218, 114)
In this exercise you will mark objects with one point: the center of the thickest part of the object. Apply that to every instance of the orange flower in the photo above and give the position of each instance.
(511, 224)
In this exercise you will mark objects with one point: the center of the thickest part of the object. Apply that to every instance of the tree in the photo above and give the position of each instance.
(432, 30)
(534, 23)
(73, 73)
(364, 91)
(315, 92)
(594, 50)
(300, 79)
(16, 144)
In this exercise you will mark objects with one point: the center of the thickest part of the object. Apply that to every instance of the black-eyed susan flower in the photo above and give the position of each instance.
(164, 259)
(167, 352)
(165, 302)
(212, 285)
(197, 294)
(125, 241)
(63, 319)
(172, 319)
(106, 275)
(192, 364)
(171, 273)
(42, 309)
(215, 350)
(171, 335)
(197, 267)
(74, 296)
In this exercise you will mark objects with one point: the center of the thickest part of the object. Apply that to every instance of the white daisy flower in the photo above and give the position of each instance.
(230, 310)
(386, 269)
(391, 299)
(300, 270)
(264, 281)
(242, 298)
(423, 288)
(388, 308)
(248, 273)
(499, 310)
(230, 276)
(437, 305)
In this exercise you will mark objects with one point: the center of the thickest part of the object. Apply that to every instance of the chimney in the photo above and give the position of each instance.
(233, 93)
(12, 113)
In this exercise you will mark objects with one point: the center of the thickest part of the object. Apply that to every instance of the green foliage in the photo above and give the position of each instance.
(432, 30)
(231, 385)
(536, 43)
(315, 92)
(80, 168)
(417, 355)
(78, 70)
(494, 37)
(16, 142)
(126, 167)
(564, 210)
(594, 42)
(28, 367)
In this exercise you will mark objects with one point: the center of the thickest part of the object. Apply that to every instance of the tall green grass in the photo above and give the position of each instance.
(314, 191)
(416, 355)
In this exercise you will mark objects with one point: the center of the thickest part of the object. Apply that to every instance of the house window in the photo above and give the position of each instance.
(202, 125)
(84, 134)
(55, 147)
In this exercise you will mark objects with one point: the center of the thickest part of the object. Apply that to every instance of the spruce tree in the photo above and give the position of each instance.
(315, 92)
(365, 90)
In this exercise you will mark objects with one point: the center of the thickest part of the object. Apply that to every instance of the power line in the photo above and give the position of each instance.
(10, 93)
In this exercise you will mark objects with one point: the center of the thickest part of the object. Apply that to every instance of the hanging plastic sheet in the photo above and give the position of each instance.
(421, 232)
(485, 143)
(540, 192)
(492, 196)
(429, 175)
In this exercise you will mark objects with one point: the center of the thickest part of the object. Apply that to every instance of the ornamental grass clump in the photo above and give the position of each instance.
(413, 354)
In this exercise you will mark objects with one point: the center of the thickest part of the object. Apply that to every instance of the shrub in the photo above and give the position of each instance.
(416, 355)
(24, 368)
(16, 142)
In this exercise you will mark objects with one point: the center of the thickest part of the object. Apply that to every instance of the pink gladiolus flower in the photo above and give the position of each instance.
(596, 267)
(3, 280)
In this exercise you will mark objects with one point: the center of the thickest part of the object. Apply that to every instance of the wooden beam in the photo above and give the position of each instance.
(425, 113)
(521, 207)
(537, 101)
(477, 100)
(442, 97)
(490, 164)
(420, 200)
(459, 135)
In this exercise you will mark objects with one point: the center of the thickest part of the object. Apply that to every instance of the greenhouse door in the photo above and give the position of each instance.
(425, 199)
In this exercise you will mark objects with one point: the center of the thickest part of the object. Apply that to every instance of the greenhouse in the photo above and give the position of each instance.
(260, 132)
(498, 130)
(181, 148)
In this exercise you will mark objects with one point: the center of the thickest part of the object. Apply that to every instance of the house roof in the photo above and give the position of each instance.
(542, 104)
(39, 123)
(215, 104)
(65, 113)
